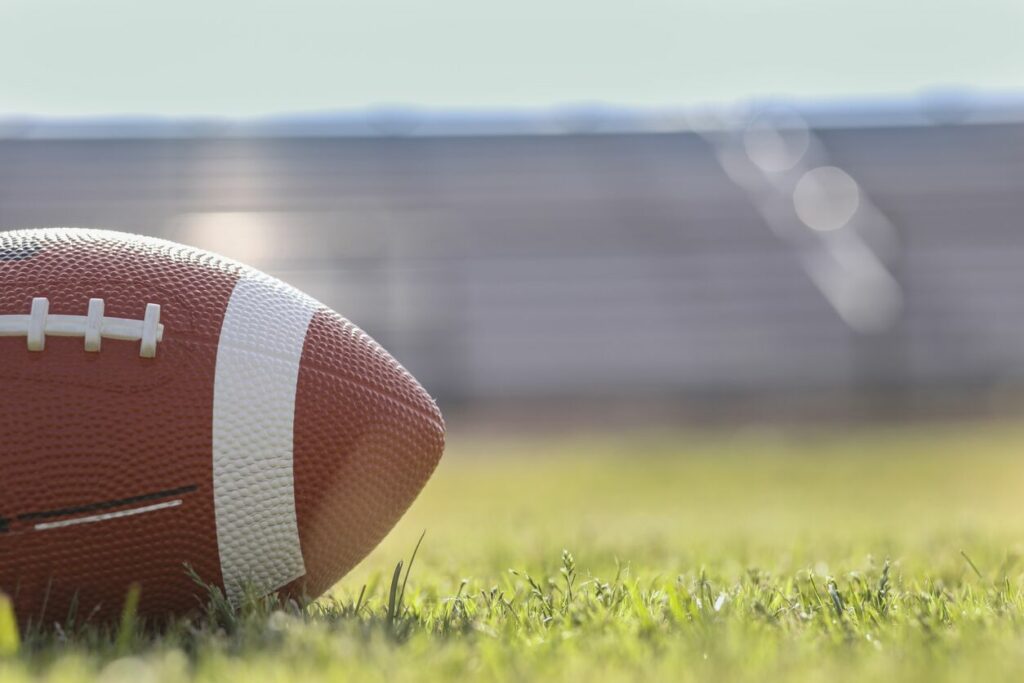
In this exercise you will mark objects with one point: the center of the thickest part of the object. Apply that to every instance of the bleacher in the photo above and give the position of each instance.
(582, 264)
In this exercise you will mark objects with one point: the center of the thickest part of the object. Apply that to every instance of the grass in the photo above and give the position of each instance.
(752, 556)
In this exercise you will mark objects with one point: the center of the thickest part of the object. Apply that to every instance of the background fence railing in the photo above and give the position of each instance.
(580, 265)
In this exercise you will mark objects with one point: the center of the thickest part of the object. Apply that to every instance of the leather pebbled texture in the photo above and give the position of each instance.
(126, 441)
(355, 400)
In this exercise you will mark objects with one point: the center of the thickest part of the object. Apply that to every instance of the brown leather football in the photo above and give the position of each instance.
(163, 407)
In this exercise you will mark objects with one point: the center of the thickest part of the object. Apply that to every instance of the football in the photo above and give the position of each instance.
(166, 413)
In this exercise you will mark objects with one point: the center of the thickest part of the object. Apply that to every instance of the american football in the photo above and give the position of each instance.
(169, 414)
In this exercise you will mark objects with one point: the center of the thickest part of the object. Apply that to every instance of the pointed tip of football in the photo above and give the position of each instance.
(367, 439)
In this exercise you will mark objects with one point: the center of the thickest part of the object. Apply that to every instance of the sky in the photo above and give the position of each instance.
(245, 58)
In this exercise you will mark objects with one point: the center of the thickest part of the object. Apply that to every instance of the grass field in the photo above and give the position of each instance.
(753, 556)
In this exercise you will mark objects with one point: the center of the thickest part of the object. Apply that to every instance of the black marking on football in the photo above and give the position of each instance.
(106, 504)
(18, 253)
(5, 525)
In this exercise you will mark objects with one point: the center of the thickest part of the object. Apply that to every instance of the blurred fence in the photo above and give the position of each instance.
(619, 264)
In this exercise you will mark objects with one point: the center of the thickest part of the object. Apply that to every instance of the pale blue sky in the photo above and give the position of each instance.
(244, 57)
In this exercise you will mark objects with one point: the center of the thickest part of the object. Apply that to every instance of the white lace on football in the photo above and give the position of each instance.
(94, 326)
